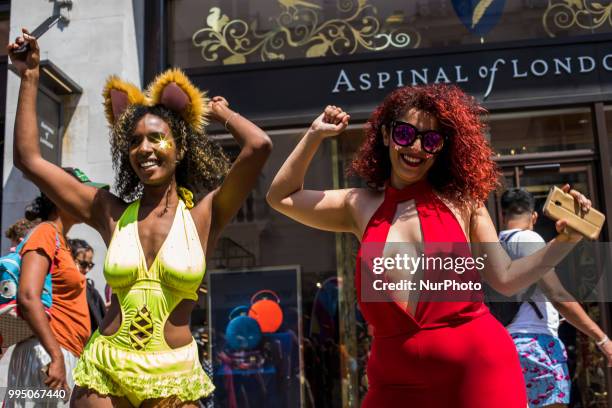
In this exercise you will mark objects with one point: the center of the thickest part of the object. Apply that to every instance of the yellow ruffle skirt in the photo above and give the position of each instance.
(140, 375)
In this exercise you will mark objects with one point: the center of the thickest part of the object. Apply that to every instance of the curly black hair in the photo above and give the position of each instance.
(20, 229)
(40, 208)
(516, 202)
(202, 169)
(77, 245)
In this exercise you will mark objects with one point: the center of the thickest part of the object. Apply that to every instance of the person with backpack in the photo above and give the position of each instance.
(18, 231)
(533, 322)
(83, 254)
(47, 359)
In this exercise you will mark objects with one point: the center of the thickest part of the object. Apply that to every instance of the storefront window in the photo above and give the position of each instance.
(260, 252)
(542, 131)
(49, 127)
(225, 32)
(4, 35)
(4, 39)
(608, 110)
(4, 26)
(356, 339)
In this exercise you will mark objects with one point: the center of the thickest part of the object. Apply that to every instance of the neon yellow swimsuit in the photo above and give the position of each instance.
(136, 362)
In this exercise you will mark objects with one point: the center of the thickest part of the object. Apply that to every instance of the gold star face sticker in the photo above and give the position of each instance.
(163, 142)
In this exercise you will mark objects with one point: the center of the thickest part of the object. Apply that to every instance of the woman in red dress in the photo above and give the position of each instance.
(430, 170)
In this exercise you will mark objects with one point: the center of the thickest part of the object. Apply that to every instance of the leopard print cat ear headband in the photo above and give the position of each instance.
(171, 89)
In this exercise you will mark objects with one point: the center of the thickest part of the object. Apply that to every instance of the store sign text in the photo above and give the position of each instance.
(514, 69)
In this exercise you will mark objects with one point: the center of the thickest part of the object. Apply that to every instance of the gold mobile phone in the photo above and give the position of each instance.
(560, 205)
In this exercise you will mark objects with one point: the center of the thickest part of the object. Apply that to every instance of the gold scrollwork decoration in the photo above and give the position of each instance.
(299, 30)
(583, 14)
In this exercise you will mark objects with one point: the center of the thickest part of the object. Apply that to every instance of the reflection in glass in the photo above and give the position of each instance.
(260, 237)
(222, 32)
(357, 335)
(608, 110)
(4, 32)
(544, 131)
(294, 29)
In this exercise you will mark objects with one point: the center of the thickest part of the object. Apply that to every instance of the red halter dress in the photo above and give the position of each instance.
(450, 353)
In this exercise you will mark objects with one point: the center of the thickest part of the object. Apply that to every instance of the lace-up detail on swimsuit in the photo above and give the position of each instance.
(148, 295)
(141, 329)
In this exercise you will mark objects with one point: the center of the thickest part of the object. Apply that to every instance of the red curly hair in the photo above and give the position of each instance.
(463, 170)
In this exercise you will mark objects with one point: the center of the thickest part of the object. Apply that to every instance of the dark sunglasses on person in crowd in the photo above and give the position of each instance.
(85, 264)
(405, 134)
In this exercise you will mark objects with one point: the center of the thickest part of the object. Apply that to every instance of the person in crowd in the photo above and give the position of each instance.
(176, 193)
(47, 359)
(18, 231)
(429, 168)
(535, 328)
(83, 255)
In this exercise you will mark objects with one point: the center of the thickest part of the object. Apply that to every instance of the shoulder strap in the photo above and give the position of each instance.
(23, 241)
(534, 306)
(529, 293)
(130, 214)
(536, 309)
(58, 245)
(508, 237)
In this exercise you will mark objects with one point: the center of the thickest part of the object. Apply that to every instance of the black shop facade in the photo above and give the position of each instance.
(549, 103)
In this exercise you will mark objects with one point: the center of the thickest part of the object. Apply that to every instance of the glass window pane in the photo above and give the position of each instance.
(262, 237)
(4, 32)
(608, 110)
(223, 32)
(357, 337)
(544, 131)
(49, 112)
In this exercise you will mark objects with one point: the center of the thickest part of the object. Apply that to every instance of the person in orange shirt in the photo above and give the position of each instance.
(48, 358)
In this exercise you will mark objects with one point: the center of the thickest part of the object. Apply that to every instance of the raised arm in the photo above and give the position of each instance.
(256, 147)
(326, 210)
(63, 189)
(509, 277)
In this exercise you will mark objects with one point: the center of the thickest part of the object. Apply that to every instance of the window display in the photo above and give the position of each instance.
(255, 321)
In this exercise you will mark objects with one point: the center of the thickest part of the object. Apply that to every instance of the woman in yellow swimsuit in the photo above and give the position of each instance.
(176, 192)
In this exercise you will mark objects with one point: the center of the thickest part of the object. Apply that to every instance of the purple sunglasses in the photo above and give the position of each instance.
(405, 134)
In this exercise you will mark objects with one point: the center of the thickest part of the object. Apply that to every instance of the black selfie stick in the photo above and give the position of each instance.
(38, 32)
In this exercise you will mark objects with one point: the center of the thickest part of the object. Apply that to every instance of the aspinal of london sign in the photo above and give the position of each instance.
(513, 69)
(503, 77)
